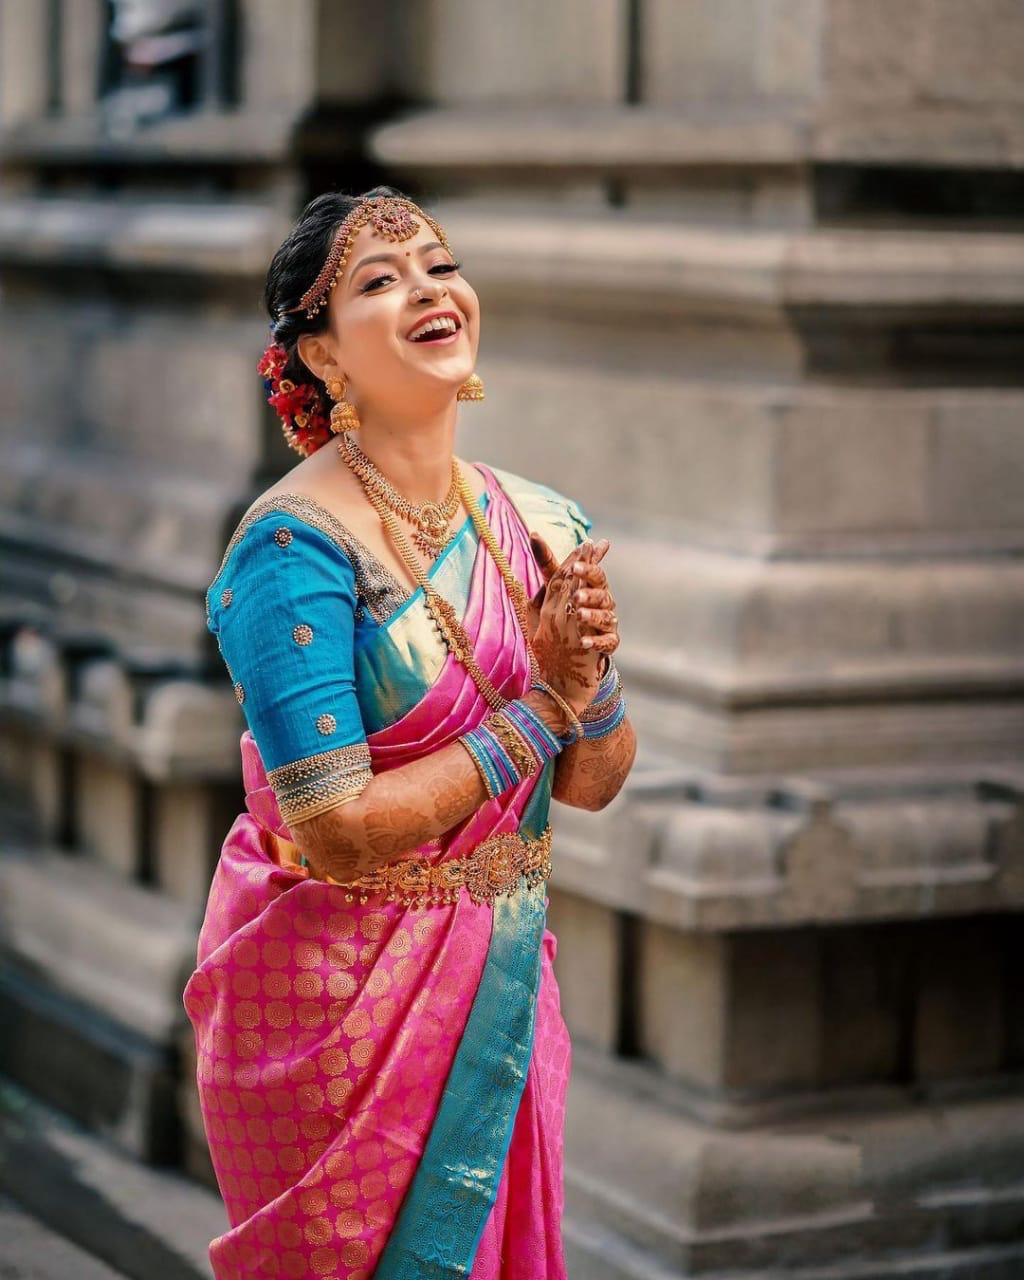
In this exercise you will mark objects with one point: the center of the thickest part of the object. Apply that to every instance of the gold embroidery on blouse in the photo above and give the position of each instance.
(375, 583)
(302, 633)
(239, 692)
(316, 783)
(326, 723)
(226, 596)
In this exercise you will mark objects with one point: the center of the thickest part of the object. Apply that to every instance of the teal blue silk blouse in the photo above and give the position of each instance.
(324, 644)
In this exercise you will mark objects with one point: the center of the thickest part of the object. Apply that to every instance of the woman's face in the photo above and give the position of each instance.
(387, 290)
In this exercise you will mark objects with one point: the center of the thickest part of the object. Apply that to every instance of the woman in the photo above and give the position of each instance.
(382, 1062)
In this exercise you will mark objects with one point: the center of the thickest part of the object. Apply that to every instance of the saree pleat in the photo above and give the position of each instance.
(456, 1184)
(379, 1083)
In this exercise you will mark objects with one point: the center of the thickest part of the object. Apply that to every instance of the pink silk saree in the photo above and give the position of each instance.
(382, 1086)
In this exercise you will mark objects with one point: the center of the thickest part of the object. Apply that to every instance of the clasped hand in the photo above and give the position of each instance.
(569, 645)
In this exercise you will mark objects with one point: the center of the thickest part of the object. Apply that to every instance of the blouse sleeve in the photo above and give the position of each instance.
(282, 608)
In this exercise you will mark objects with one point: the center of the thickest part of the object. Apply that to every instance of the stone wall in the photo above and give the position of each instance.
(752, 276)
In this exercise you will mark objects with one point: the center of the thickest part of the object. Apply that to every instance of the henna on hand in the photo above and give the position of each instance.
(566, 663)
(591, 772)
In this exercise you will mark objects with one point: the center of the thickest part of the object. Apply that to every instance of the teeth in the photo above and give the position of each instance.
(442, 322)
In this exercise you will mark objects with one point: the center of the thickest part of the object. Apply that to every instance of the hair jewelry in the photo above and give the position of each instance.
(392, 218)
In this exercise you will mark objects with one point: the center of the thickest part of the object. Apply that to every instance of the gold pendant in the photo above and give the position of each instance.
(432, 521)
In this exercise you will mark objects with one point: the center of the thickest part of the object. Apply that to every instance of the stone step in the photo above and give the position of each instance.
(144, 1222)
(930, 1190)
(33, 1252)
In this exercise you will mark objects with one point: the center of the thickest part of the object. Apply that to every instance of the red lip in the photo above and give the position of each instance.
(436, 315)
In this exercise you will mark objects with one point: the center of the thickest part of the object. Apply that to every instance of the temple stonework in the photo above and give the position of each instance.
(752, 278)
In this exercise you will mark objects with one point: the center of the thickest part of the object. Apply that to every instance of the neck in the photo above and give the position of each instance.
(416, 456)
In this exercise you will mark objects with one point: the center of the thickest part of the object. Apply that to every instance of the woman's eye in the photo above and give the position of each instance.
(441, 266)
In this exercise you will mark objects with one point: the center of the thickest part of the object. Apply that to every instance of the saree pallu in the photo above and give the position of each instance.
(383, 1086)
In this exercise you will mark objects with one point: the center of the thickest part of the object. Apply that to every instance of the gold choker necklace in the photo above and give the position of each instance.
(432, 519)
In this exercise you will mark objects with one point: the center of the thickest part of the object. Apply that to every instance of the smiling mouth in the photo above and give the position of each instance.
(439, 332)
(436, 338)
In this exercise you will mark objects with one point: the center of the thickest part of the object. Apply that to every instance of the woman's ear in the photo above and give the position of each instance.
(313, 353)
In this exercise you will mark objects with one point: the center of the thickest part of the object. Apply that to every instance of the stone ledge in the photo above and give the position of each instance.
(720, 854)
(665, 268)
(33, 1252)
(858, 1190)
(212, 239)
(588, 138)
(83, 930)
(196, 138)
(628, 139)
(166, 728)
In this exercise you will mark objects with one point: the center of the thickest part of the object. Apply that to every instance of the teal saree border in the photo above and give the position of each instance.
(445, 1210)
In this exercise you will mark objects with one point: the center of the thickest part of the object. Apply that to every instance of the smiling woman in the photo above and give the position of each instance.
(421, 648)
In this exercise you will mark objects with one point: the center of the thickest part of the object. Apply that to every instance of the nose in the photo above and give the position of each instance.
(431, 289)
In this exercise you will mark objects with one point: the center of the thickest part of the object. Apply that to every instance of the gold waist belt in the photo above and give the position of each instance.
(494, 866)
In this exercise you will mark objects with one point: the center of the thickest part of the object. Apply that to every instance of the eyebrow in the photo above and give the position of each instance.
(393, 257)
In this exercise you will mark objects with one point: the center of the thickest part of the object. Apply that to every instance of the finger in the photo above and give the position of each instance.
(543, 554)
(589, 574)
(602, 619)
(605, 642)
(593, 598)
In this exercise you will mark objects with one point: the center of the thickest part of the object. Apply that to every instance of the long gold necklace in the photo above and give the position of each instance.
(432, 519)
(442, 610)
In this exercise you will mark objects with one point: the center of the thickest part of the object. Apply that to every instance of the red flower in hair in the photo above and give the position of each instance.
(298, 404)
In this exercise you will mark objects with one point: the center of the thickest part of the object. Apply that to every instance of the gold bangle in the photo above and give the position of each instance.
(571, 718)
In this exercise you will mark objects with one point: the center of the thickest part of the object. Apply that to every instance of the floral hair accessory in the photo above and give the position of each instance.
(299, 405)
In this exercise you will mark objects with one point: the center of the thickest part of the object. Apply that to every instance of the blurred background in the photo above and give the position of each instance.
(752, 276)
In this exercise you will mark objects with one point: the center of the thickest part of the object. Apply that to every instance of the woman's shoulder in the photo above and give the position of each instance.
(279, 530)
(557, 517)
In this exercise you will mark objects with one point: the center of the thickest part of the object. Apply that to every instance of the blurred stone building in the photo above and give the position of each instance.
(752, 274)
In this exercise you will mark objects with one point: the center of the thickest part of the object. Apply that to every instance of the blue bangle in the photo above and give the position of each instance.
(607, 709)
(607, 723)
(544, 741)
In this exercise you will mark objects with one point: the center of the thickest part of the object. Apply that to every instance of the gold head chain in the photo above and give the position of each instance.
(392, 218)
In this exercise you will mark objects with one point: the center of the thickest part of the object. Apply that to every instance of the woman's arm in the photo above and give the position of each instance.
(402, 808)
(590, 773)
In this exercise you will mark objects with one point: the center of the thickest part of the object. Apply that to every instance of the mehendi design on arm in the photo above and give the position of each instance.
(590, 773)
(395, 812)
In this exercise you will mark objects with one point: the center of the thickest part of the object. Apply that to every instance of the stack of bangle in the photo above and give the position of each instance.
(510, 745)
(607, 709)
(513, 743)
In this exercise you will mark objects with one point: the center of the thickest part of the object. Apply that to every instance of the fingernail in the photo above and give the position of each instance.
(579, 566)
(587, 642)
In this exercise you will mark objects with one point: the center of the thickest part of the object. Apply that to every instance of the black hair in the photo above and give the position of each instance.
(294, 268)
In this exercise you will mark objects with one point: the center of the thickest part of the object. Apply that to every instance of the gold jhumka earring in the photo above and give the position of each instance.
(471, 389)
(344, 415)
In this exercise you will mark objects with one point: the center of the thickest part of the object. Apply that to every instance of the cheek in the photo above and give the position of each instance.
(369, 334)
(469, 305)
